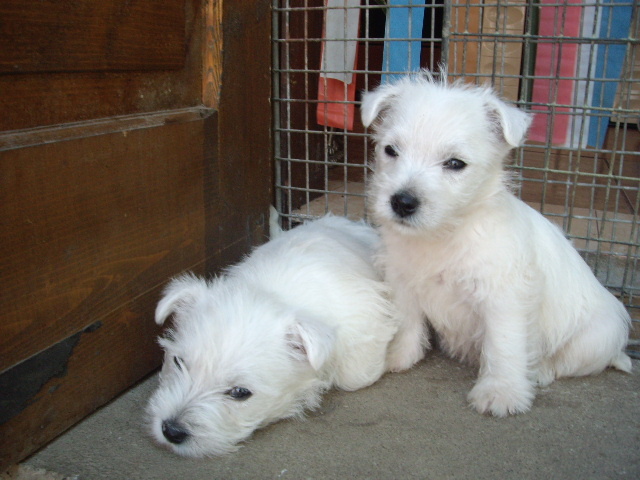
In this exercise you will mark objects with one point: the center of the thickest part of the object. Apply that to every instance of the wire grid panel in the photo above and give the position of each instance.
(574, 64)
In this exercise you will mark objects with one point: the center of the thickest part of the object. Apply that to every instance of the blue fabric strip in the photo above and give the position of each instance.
(615, 22)
(404, 21)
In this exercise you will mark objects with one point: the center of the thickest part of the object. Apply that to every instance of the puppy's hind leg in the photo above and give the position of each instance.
(598, 346)
(412, 339)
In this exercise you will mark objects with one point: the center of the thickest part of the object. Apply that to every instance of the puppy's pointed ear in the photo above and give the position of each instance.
(374, 102)
(178, 294)
(511, 122)
(313, 339)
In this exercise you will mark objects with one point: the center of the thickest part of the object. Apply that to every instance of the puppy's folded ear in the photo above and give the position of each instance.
(374, 102)
(511, 122)
(313, 339)
(178, 294)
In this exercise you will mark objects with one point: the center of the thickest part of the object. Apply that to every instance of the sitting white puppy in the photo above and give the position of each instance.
(304, 312)
(501, 286)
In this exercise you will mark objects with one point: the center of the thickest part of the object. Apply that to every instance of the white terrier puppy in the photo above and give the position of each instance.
(304, 312)
(501, 286)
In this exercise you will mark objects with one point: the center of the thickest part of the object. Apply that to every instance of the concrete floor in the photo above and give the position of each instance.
(410, 425)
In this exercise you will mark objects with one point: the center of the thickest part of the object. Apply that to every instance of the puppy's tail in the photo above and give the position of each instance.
(179, 293)
(622, 362)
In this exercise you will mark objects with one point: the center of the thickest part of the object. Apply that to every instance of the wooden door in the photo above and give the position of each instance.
(134, 144)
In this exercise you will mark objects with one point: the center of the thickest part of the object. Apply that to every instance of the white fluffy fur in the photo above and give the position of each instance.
(304, 312)
(502, 287)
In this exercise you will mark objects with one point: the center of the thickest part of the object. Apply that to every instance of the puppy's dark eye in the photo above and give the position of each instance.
(454, 164)
(391, 151)
(178, 362)
(239, 393)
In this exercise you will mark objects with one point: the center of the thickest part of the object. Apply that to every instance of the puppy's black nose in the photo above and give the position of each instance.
(174, 432)
(404, 204)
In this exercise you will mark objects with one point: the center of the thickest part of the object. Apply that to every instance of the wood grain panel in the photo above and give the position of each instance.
(41, 99)
(85, 35)
(245, 178)
(82, 224)
(72, 131)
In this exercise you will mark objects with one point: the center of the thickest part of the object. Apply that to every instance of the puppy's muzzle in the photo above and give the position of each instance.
(174, 432)
(404, 204)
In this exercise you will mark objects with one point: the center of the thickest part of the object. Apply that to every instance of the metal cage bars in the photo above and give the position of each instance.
(591, 190)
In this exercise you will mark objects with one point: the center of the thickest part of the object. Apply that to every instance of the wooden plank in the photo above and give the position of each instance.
(30, 101)
(42, 99)
(81, 233)
(212, 53)
(85, 35)
(245, 178)
(71, 131)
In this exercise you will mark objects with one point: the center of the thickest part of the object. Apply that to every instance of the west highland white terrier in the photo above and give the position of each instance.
(501, 286)
(304, 312)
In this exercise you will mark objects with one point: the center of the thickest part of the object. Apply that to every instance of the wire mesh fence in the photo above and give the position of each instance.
(574, 64)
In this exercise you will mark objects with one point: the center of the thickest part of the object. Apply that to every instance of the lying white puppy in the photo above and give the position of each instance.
(304, 312)
(501, 285)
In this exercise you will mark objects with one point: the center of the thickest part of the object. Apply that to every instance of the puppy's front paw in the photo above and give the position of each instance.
(501, 398)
